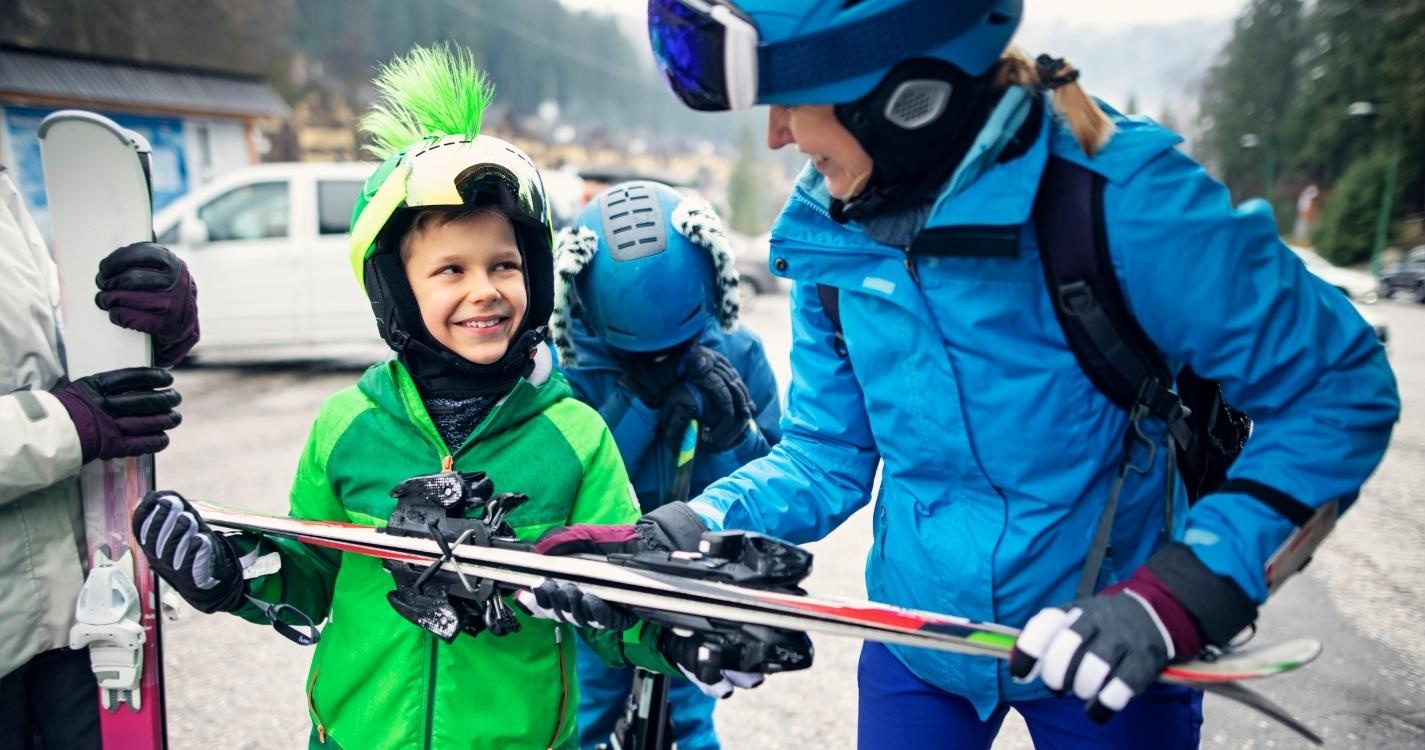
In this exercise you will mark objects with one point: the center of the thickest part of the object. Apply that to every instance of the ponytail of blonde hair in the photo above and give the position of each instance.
(1090, 126)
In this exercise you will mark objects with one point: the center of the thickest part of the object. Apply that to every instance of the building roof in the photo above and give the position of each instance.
(51, 76)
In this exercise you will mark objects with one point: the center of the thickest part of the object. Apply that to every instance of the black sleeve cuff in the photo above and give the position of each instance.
(1220, 607)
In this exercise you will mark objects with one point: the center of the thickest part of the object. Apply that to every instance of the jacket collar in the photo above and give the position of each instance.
(390, 387)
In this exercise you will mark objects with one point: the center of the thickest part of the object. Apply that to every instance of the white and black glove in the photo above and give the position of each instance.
(199, 563)
(682, 647)
(1108, 648)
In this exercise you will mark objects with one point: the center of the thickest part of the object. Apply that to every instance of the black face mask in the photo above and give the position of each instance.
(916, 125)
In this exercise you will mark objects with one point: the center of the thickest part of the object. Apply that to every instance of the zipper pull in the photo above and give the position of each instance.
(911, 269)
(447, 463)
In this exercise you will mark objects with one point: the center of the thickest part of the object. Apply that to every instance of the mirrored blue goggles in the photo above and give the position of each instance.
(707, 50)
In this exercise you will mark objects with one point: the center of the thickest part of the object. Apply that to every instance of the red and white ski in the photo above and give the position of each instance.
(661, 591)
(97, 185)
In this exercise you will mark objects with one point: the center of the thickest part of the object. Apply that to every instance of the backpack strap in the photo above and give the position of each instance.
(1110, 346)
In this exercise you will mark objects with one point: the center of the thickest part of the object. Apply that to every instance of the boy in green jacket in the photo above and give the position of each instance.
(452, 242)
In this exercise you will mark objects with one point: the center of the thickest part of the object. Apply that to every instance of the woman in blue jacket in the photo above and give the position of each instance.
(645, 324)
(946, 366)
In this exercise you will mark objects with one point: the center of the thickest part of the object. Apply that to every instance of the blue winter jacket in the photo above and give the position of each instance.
(634, 425)
(997, 452)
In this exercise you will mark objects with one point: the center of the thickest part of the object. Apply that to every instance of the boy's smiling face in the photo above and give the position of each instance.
(468, 279)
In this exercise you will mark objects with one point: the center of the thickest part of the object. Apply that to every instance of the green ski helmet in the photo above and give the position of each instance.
(426, 128)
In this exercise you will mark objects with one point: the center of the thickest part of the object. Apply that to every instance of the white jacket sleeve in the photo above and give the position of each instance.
(38, 443)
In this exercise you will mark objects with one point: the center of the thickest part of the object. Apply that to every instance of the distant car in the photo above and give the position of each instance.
(267, 246)
(752, 255)
(1407, 275)
(1358, 285)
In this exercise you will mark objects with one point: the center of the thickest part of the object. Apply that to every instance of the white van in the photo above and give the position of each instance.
(267, 247)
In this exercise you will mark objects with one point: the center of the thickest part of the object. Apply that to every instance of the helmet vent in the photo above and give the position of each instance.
(633, 222)
(917, 103)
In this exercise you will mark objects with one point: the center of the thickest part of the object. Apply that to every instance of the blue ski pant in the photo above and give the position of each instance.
(898, 711)
(603, 693)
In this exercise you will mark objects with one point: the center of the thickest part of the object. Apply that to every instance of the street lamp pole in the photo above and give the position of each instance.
(1387, 201)
(1269, 164)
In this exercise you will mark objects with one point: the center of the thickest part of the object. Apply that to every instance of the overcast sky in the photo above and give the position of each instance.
(1092, 13)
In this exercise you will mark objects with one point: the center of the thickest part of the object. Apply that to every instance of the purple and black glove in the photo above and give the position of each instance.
(1108, 648)
(121, 413)
(671, 527)
(145, 287)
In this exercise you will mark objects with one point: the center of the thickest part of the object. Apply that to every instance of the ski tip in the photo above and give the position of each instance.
(125, 136)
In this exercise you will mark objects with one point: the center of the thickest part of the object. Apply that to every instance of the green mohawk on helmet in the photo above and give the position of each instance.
(431, 92)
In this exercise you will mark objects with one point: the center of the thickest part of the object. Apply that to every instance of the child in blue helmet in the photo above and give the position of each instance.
(645, 324)
(927, 344)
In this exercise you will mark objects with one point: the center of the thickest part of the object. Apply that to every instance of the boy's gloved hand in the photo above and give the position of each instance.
(562, 601)
(681, 647)
(145, 287)
(711, 392)
(1108, 648)
(121, 413)
(199, 563)
(669, 527)
(651, 376)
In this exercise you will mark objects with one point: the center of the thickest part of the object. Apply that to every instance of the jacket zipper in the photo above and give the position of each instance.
(563, 688)
(430, 694)
(312, 708)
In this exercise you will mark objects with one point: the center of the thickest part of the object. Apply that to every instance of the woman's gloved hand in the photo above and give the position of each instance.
(145, 287)
(121, 413)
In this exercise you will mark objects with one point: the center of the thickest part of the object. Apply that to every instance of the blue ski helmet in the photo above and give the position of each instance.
(650, 267)
(719, 55)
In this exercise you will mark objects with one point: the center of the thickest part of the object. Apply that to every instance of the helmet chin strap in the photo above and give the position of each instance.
(916, 125)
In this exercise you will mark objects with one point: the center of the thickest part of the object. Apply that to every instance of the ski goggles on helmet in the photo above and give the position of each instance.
(714, 59)
(452, 172)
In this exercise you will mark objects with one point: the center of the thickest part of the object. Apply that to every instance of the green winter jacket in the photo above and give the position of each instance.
(379, 681)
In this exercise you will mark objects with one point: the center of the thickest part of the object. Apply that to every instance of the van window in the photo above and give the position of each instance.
(335, 199)
(252, 212)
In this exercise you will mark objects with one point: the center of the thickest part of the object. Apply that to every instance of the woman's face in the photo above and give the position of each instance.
(833, 151)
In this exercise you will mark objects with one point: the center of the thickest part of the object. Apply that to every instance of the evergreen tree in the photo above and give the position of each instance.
(1249, 93)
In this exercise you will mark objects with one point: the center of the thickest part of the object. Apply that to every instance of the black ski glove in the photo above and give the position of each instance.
(698, 656)
(562, 601)
(121, 413)
(711, 392)
(650, 376)
(147, 288)
(199, 563)
(1108, 648)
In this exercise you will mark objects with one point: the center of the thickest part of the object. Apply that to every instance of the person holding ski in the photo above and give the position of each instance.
(645, 324)
(995, 280)
(451, 240)
(51, 427)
